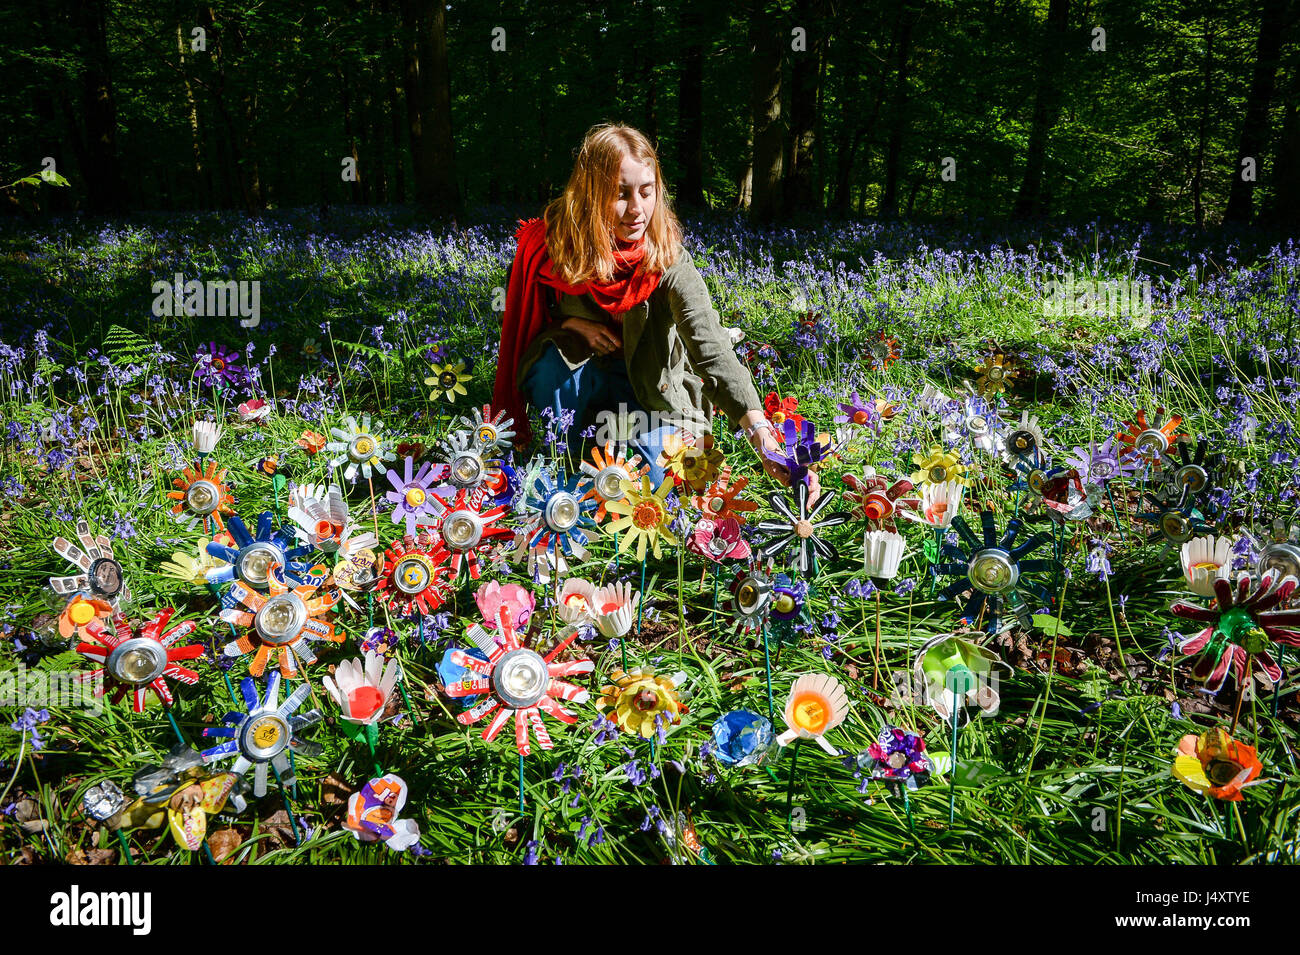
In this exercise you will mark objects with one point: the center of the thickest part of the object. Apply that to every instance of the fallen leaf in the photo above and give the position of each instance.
(223, 842)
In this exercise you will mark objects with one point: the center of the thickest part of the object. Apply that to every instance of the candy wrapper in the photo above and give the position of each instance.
(372, 814)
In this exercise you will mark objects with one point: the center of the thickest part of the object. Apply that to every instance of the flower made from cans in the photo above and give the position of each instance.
(101, 574)
(721, 499)
(1279, 549)
(718, 540)
(1216, 764)
(858, 411)
(882, 351)
(642, 703)
(1186, 474)
(751, 599)
(359, 447)
(799, 528)
(974, 420)
(467, 468)
(1043, 485)
(492, 431)
(313, 442)
(414, 578)
(372, 814)
(642, 518)
(262, 737)
(1149, 440)
(995, 374)
(323, 521)
(448, 380)
(935, 466)
(410, 494)
(936, 505)
(518, 681)
(1025, 441)
(608, 469)
(695, 465)
(897, 756)
(202, 497)
(1173, 525)
(1098, 464)
(874, 497)
(134, 662)
(465, 533)
(281, 626)
(816, 705)
(558, 516)
(800, 451)
(992, 570)
(251, 559)
(1246, 618)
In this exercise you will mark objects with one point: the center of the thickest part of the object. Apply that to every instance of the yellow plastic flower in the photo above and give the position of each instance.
(937, 466)
(448, 380)
(636, 700)
(1216, 764)
(644, 515)
(191, 568)
(696, 465)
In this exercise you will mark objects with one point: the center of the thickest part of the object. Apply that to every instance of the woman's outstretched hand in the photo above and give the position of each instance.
(765, 440)
(601, 339)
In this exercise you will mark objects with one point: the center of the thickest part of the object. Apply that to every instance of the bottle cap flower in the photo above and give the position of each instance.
(937, 504)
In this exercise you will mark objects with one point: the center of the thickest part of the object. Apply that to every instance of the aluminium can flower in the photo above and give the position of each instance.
(641, 702)
(134, 662)
(373, 814)
(897, 756)
(644, 517)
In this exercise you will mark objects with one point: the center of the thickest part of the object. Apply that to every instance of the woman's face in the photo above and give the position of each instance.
(636, 199)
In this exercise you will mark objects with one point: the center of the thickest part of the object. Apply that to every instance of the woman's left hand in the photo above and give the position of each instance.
(765, 440)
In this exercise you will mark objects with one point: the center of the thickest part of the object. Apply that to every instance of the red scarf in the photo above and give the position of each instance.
(526, 313)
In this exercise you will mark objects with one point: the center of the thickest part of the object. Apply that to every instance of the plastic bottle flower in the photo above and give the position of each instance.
(937, 466)
(996, 373)
(1216, 764)
(216, 365)
(643, 514)
(816, 705)
(1148, 440)
(937, 505)
(608, 469)
(642, 703)
(410, 493)
(780, 410)
(801, 450)
(519, 682)
(101, 574)
(717, 540)
(720, 500)
(322, 520)
(556, 511)
(800, 527)
(519, 603)
(362, 689)
(742, 738)
(254, 410)
(695, 465)
(492, 432)
(202, 498)
(251, 559)
(859, 412)
(942, 654)
(882, 351)
(193, 568)
(206, 435)
(360, 447)
(992, 570)
(79, 612)
(280, 626)
(259, 738)
(897, 756)
(372, 814)
(974, 420)
(882, 552)
(1238, 630)
(613, 609)
(130, 662)
(414, 577)
(465, 533)
(575, 601)
(1205, 560)
(448, 380)
(876, 499)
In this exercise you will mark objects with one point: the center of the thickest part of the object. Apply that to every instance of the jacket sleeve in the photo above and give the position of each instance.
(727, 383)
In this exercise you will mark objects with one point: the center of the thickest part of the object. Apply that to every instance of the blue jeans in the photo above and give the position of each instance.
(587, 391)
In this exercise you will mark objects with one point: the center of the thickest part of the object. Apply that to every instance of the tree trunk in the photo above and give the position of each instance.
(428, 106)
(893, 153)
(1047, 105)
(202, 177)
(1198, 174)
(1254, 131)
(690, 111)
(805, 82)
(765, 106)
(103, 185)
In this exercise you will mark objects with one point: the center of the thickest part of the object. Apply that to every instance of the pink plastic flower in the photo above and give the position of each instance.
(492, 595)
(718, 540)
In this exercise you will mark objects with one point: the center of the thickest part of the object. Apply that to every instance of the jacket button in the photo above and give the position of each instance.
(663, 389)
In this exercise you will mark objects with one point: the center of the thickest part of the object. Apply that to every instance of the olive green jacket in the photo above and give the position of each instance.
(680, 360)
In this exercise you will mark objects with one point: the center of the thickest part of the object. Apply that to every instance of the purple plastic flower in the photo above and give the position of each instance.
(801, 450)
(410, 495)
(216, 365)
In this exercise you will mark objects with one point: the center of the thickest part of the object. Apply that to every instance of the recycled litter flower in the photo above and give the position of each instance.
(217, 366)
(372, 814)
(414, 577)
(259, 737)
(1238, 630)
(642, 703)
(742, 738)
(101, 573)
(802, 450)
(897, 756)
(1280, 550)
(859, 412)
(800, 527)
(816, 705)
(79, 612)
(932, 671)
(493, 432)
(613, 609)
(608, 469)
(643, 514)
(695, 465)
(1149, 440)
(362, 688)
(519, 604)
(313, 442)
(448, 380)
(360, 447)
(254, 410)
(1186, 474)
(1173, 525)
(992, 570)
(178, 792)
(193, 568)
(379, 640)
(130, 662)
(410, 494)
(1205, 560)
(252, 558)
(280, 626)
(975, 421)
(206, 435)
(718, 540)
(519, 682)
(882, 552)
(202, 497)
(751, 599)
(996, 373)
(1025, 442)
(937, 466)
(557, 510)
(467, 469)
(876, 499)
(780, 410)
(937, 505)
(323, 521)
(882, 351)
(1216, 764)
(1100, 463)
(574, 602)
(465, 533)
(720, 500)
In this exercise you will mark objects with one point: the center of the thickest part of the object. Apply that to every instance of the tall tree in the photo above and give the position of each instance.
(99, 109)
(690, 110)
(903, 24)
(428, 106)
(1254, 129)
(1047, 106)
(805, 82)
(765, 106)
